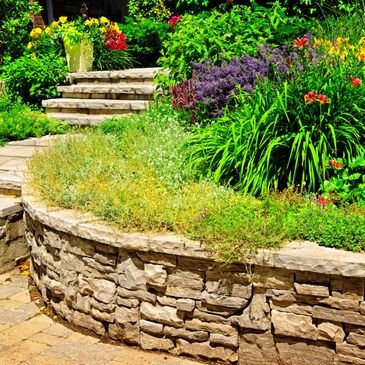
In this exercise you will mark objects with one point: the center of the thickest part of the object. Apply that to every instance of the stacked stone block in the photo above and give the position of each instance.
(164, 293)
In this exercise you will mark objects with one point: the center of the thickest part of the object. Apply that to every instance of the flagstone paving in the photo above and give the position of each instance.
(28, 337)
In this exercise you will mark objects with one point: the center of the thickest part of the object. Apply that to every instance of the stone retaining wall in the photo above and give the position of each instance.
(12, 242)
(301, 305)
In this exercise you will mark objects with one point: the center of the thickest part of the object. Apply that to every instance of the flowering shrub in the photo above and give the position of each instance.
(309, 110)
(174, 20)
(109, 42)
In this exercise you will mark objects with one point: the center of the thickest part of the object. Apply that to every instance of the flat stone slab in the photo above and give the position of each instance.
(9, 206)
(127, 88)
(82, 119)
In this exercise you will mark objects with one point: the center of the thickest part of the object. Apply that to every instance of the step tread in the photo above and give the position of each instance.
(82, 119)
(133, 73)
(95, 104)
(127, 88)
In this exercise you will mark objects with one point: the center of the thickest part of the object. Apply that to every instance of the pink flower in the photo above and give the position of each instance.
(174, 20)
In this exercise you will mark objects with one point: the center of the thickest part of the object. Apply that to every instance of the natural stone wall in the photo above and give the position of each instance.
(12, 242)
(301, 305)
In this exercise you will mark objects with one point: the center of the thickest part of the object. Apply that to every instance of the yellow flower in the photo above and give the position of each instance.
(30, 45)
(33, 34)
(104, 20)
(116, 27)
(34, 57)
(48, 30)
(88, 22)
(62, 19)
(102, 29)
(94, 21)
(38, 30)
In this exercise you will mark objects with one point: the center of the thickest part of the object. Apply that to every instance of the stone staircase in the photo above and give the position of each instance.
(94, 96)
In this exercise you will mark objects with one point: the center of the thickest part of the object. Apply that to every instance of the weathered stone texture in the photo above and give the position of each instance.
(165, 293)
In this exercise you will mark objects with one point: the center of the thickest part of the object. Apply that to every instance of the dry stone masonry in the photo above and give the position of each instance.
(12, 241)
(301, 305)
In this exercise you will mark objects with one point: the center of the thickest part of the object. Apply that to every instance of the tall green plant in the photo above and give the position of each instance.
(285, 133)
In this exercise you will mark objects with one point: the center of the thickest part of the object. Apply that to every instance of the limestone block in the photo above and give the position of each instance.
(123, 315)
(192, 336)
(169, 301)
(257, 349)
(203, 349)
(356, 339)
(186, 279)
(293, 352)
(149, 342)
(208, 317)
(96, 269)
(131, 274)
(71, 262)
(82, 303)
(127, 332)
(142, 295)
(347, 288)
(302, 309)
(180, 292)
(54, 286)
(348, 360)
(255, 316)
(84, 285)
(294, 325)
(193, 264)
(157, 258)
(102, 316)
(105, 259)
(129, 303)
(186, 305)
(222, 301)
(339, 303)
(62, 310)
(76, 245)
(362, 308)
(103, 290)
(103, 307)
(161, 314)
(156, 275)
(228, 284)
(86, 321)
(337, 315)
(313, 290)
(330, 332)
(270, 278)
(151, 327)
(198, 325)
(350, 350)
(225, 341)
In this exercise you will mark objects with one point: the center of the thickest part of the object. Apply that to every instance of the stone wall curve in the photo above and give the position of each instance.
(302, 304)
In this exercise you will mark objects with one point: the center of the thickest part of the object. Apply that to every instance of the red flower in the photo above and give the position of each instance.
(322, 99)
(355, 81)
(322, 200)
(301, 42)
(174, 20)
(335, 164)
(310, 96)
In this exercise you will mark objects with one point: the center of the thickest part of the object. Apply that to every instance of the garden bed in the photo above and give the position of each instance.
(300, 305)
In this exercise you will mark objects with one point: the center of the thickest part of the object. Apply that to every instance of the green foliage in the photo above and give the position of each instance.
(218, 35)
(144, 39)
(34, 78)
(274, 139)
(15, 24)
(347, 183)
(331, 226)
(18, 121)
(105, 59)
(156, 9)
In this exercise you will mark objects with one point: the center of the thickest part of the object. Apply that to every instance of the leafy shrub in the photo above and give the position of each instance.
(347, 183)
(156, 9)
(18, 121)
(145, 37)
(15, 24)
(285, 132)
(34, 78)
(218, 35)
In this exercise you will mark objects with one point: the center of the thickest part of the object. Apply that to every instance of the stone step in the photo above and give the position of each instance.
(81, 119)
(132, 75)
(120, 91)
(94, 106)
